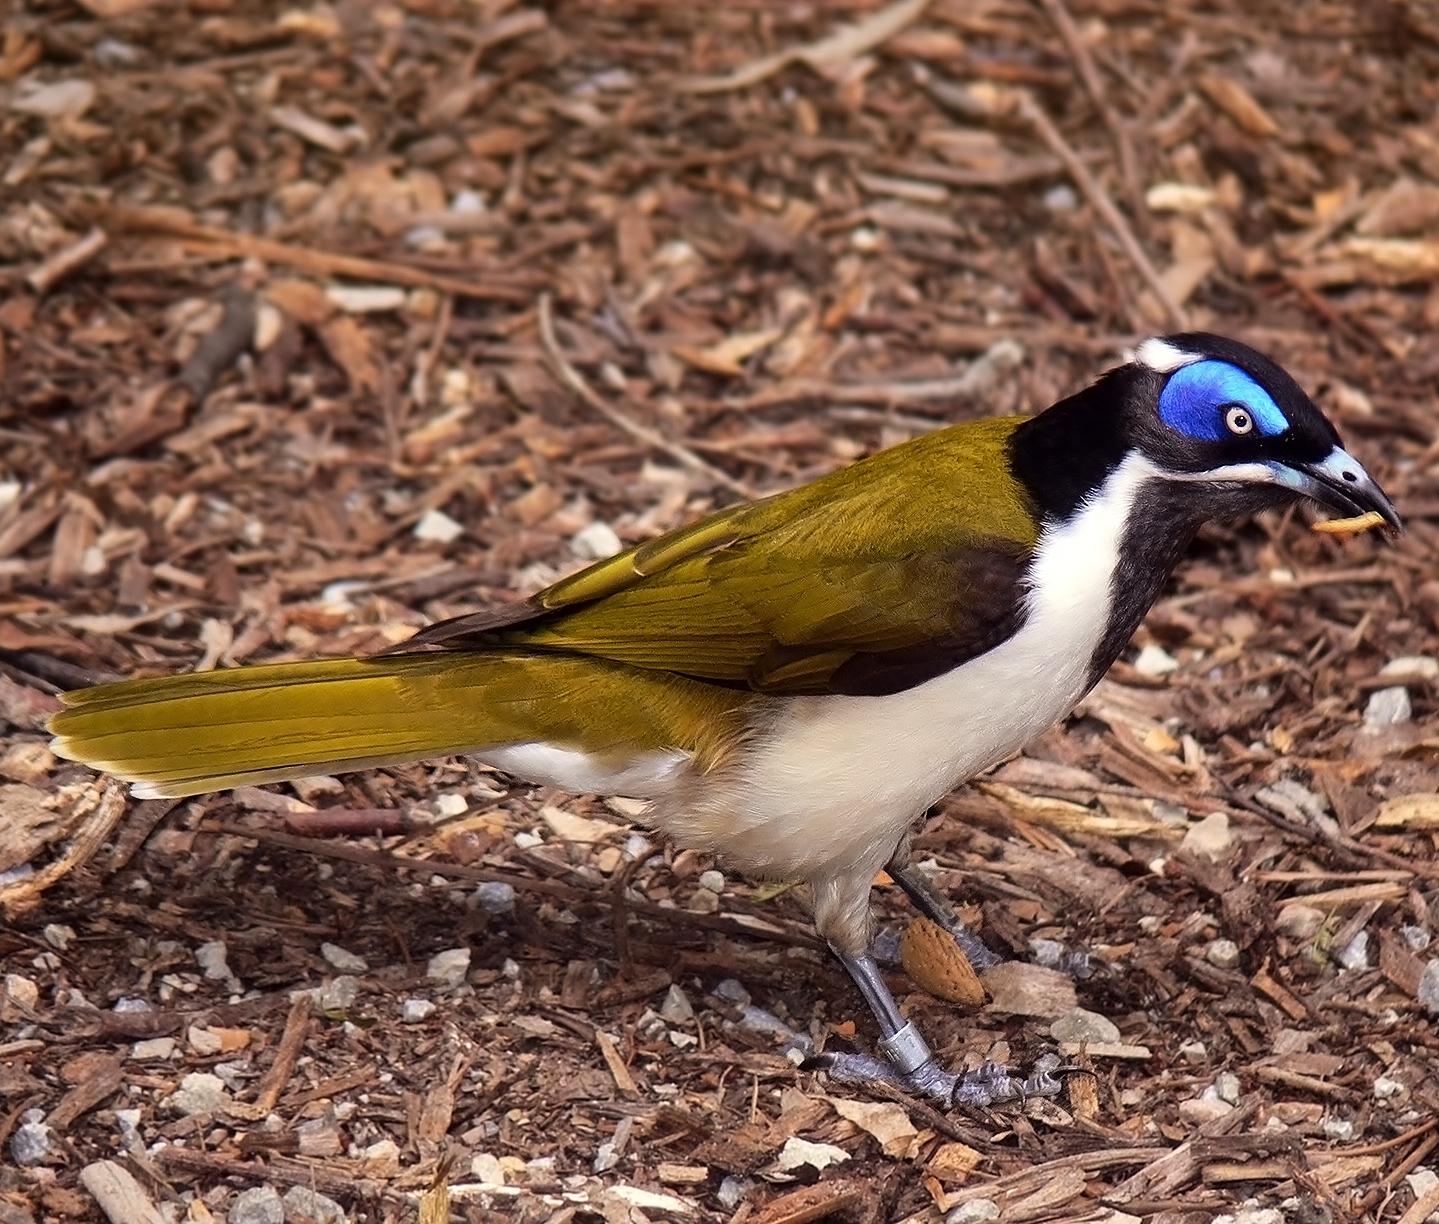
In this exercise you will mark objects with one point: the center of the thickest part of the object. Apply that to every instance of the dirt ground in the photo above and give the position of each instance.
(275, 384)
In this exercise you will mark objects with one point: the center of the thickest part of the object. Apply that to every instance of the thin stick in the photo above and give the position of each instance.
(1035, 114)
(575, 381)
(210, 240)
(1094, 84)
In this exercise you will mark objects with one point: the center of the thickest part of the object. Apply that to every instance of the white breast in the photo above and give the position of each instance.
(839, 778)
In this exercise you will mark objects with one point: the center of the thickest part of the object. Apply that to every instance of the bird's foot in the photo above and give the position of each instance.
(1078, 963)
(991, 1084)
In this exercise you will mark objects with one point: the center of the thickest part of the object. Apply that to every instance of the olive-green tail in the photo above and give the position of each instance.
(183, 735)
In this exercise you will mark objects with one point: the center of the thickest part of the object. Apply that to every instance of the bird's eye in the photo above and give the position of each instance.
(1238, 420)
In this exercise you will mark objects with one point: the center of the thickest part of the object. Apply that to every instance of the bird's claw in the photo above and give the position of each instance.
(991, 1084)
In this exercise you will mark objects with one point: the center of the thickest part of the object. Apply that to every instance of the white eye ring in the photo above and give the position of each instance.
(1239, 420)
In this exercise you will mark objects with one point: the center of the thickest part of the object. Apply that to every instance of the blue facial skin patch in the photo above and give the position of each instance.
(1195, 397)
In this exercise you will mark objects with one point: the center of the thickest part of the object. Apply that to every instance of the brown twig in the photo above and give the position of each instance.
(1094, 84)
(574, 380)
(58, 266)
(1031, 111)
(306, 259)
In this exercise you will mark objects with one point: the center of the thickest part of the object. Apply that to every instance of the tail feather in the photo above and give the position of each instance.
(183, 735)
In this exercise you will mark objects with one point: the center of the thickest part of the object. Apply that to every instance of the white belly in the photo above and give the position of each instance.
(836, 780)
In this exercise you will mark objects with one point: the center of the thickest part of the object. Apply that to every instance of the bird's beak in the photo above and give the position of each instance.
(1340, 482)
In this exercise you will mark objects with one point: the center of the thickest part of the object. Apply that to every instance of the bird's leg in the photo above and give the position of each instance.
(933, 904)
(842, 916)
(909, 1062)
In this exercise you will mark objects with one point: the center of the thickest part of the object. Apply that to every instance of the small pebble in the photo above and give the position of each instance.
(1355, 954)
(451, 805)
(415, 1010)
(58, 936)
(303, 1206)
(1227, 1087)
(677, 1008)
(203, 1041)
(1388, 707)
(731, 992)
(976, 1211)
(1341, 1130)
(32, 1141)
(596, 541)
(199, 1092)
(1081, 1025)
(1384, 1088)
(338, 994)
(495, 897)
(712, 880)
(1416, 938)
(449, 967)
(1155, 661)
(211, 958)
(702, 901)
(1428, 993)
(439, 527)
(1060, 199)
(1194, 1052)
(1200, 1110)
(1299, 922)
(1222, 953)
(1211, 837)
(487, 1167)
(258, 1205)
(155, 1048)
(732, 1190)
(343, 960)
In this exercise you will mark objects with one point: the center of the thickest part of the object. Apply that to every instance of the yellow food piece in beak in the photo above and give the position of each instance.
(1360, 522)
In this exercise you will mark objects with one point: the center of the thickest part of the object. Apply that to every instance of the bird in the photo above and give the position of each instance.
(790, 682)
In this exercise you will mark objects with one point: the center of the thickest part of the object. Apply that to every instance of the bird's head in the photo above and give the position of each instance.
(1227, 431)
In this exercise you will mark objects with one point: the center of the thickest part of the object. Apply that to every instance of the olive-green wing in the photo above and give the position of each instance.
(870, 580)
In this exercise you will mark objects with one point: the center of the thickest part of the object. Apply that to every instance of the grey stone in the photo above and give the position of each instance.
(449, 967)
(1428, 993)
(1210, 837)
(1299, 922)
(1081, 1025)
(1355, 954)
(1227, 1087)
(32, 1141)
(258, 1205)
(677, 1008)
(1194, 1052)
(976, 1211)
(338, 994)
(415, 1010)
(733, 1190)
(303, 1205)
(1388, 707)
(1416, 938)
(713, 880)
(731, 992)
(211, 958)
(1222, 953)
(199, 1092)
(155, 1048)
(343, 959)
(495, 897)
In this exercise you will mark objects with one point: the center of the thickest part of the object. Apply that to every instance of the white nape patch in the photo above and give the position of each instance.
(642, 776)
(829, 787)
(1162, 357)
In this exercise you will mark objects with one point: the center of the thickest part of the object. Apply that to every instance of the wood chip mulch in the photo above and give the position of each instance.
(323, 322)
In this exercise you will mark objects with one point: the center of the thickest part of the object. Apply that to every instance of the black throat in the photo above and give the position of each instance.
(1067, 453)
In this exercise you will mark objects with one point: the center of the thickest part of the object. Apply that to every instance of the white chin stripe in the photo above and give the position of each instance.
(1241, 473)
(1162, 357)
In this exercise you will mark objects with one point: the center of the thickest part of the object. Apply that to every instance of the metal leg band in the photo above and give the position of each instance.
(907, 1051)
